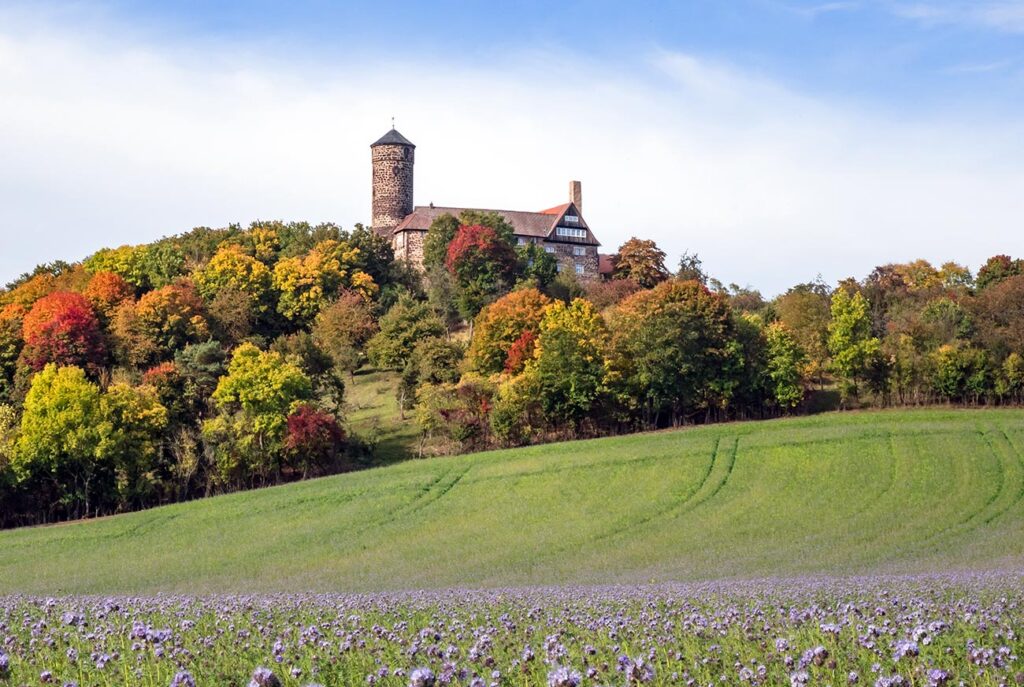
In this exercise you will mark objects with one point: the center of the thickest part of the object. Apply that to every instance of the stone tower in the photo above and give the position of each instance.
(393, 156)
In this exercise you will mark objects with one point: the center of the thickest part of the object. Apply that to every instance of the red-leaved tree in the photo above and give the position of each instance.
(484, 267)
(314, 441)
(62, 328)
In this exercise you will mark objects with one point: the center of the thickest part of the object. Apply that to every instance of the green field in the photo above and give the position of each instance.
(895, 491)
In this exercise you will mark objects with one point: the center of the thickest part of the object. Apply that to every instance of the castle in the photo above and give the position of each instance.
(561, 230)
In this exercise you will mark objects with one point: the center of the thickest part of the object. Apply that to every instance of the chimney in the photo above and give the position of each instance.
(576, 195)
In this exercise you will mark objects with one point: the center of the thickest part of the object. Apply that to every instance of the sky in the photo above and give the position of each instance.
(779, 140)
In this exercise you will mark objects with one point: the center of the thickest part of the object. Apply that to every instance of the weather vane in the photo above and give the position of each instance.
(392, 121)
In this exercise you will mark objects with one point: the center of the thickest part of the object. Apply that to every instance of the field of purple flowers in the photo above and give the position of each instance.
(886, 631)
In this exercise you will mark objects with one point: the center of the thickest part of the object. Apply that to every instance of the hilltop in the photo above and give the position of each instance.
(893, 491)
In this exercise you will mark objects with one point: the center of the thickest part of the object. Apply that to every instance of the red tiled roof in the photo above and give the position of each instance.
(604, 263)
(532, 224)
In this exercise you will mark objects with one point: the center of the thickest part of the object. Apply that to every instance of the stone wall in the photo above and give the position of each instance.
(565, 253)
(408, 246)
(392, 185)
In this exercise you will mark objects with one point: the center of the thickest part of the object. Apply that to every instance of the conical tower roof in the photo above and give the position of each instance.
(393, 138)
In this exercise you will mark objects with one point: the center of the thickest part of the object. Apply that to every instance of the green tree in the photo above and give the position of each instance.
(129, 440)
(569, 362)
(253, 402)
(435, 244)
(59, 436)
(674, 352)
(785, 362)
(408, 322)
(434, 360)
(849, 339)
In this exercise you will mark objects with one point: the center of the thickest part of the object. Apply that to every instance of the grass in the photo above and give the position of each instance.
(894, 491)
(373, 415)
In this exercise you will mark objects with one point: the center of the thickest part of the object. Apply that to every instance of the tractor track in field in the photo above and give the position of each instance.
(972, 521)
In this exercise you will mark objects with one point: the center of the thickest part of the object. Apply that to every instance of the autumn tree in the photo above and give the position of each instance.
(483, 264)
(307, 283)
(314, 442)
(568, 367)
(642, 261)
(162, 322)
(502, 324)
(674, 353)
(342, 330)
(62, 328)
(805, 311)
(434, 360)
(106, 291)
(997, 316)
(129, 441)
(996, 269)
(231, 270)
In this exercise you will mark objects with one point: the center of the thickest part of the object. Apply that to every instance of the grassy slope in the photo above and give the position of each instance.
(372, 414)
(848, 493)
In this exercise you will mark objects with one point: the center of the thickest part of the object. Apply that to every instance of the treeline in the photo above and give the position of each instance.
(218, 359)
(207, 362)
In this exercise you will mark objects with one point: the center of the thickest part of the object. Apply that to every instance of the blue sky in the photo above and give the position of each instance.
(778, 139)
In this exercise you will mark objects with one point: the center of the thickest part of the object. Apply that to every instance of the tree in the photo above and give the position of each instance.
(674, 352)
(401, 328)
(314, 442)
(433, 361)
(642, 261)
(11, 317)
(500, 325)
(691, 267)
(997, 316)
(996, 269)
(962, 373)
(805, 312)
(253, 400)
(158, 325)
(129, 441)
(231, 269)
(537, 267)
(62, 328)
(306, 284)
(785, 362)
(483, 264)
(59, 435)
(342, 330)
(849, 339)
(435, 244)
(569, 362)
(301, 349)
(106, 291)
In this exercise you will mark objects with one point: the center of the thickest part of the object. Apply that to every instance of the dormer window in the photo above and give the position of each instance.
(572, 232)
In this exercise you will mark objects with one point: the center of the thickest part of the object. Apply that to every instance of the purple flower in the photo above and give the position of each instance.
(422, 677)
(46, 676)
(264, 677)
(938, 677)
(183, 679)
(563, 677)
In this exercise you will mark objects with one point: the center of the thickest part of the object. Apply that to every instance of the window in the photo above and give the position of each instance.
(400, 240)
(572, 219)
(580, 269)
(579, 250)
(522, 241)
(550, 249)
(572, 232)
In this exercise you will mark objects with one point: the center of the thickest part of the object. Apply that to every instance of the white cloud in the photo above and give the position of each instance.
(107, 141)
(1003, 15)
